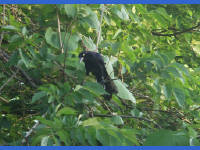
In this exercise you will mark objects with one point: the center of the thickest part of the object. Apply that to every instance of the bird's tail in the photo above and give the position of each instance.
(110, 87)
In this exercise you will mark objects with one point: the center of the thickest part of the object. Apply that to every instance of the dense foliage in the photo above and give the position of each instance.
(152, 53)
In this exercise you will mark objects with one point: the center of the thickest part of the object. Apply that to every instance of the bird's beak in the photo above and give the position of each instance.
(81, 59)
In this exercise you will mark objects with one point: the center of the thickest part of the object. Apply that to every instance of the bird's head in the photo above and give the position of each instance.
(82, 56)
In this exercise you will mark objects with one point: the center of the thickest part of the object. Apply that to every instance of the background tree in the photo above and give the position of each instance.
(151, 53)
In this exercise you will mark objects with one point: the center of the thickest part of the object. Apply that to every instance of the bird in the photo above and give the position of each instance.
(95, 64)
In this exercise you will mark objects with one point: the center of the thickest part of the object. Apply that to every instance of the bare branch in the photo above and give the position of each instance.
(62, 41)
(5, 57)
(4, 100)
(127, 116)
(27, 77)
(175, 32)
(8, 80)
(28, 133)
(59, 33)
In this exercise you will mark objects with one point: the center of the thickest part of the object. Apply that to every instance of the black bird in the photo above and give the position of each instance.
(94, 63)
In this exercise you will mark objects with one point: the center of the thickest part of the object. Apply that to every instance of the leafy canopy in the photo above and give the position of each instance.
(152, 52)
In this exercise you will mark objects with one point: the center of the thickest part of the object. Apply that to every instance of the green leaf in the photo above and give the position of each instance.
(70, 10)
(70, 40)
(180, 96)
(122, 14)
(24, 31)
(188, 37)
(46, 122)
(109, 62)
(136, 113)
(163, 12)
(9, 28)
(167, 138)
(91, 122)
(129, 135)
(13, 58)
(79, 134)
(160, 15)
(175, 72)
(44, 141)
(167, 88)
(38, 96)
(117, 33)
(90, 135)
(88, 96)
(24, 59)
(95, 88)
(15, 39)
(88, 42)
(157, 62)
(106, 139)
(66, 111)
(117, 120)
(182, 68)
(91, 19)
(123, 92)
(52, 38)
(64, 137)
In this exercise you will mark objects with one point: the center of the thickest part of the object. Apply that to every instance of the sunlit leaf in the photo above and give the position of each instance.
(123, 92)
(70, 10)
(94, 87)
(180, 96)
(167, 138)
(66, 111)
(117, 120)
(38, 96)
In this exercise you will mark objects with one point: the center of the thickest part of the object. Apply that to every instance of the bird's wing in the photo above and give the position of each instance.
(100, 59)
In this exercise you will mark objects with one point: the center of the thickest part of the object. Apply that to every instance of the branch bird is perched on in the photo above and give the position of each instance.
(94, 63)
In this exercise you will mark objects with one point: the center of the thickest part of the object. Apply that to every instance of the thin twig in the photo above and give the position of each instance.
(5, 57)
(4, 100)
(28, 133)
(27, 77)
(82, 43)
(99, 32)
(63, 41)
(59, 33)
(1, 88)
(61, 69)
(127, 116)
(196, 109)
(106, 106)
(175, 33)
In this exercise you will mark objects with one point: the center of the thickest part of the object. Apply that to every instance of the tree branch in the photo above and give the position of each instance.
(59, 33)
(175, 32)
(28, 133)
(4, 100)
(30, 80)
(128, 116)
(62, 42)
(5, 57)
(8, 81)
